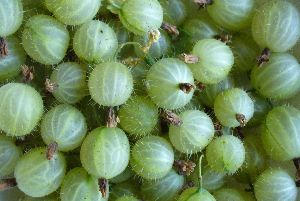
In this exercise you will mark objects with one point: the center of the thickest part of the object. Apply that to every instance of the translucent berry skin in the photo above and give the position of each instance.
(225, 154)
(245, 51)
(45, 39)
(139, 73)
(78, 185)
(75, 12)
(138, 116)
(70, 80)
(165, 189)
(284, 31)
(124, 176)
(95, 42)
(52, 197)
(21, 109)
(174, 11)
(281, 133)
(9, 156)
(279, 78)
(141, 16)
(195, 194)
(105, 152)
(123, 189)
(215, 61)
(275, 185)
(231, 15)
(158, 49)
(261, 109)
(194, 134)
(11, 15)
(10, 65)
(36, 176)
(64, 125)
(163, 81)
(232, 194)
(110, 84)
(209, 94)
(144, 160)
(230, 103)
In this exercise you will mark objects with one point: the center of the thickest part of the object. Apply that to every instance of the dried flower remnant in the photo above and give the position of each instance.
(170, 29)
(102, 183)
(112, 118)
(241, 119)
(203, 3)
(225, 38)
(186, 87)
(189, 58)
(3, 47)
(27, 73)
(50, 86)
(51, 150)
(264, 57)
(184, 167)
(171, 118)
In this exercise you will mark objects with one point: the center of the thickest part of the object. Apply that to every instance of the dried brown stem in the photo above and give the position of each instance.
(7, 183)
(241, 119)
(189, 58)
(264, 57)
(186, 87)
(171, 118)
(51, 150)
(3, 47)
(112, 118)
(102, 183)
(170, 29)
(184, 167)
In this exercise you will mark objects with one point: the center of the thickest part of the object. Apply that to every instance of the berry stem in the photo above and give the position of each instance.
(3, 47)
(171, 118)
(200, 172)
(112, 118)
(7, 183)
(51, 150)
(102, 183)
(186, 87)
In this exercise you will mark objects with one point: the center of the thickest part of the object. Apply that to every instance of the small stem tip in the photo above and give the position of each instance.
(51, 150)
(225, 38)
(27, 73)
(186, 87)
(50, 86)
(264, 57)
(241, 119)
(184, 167)
(189, 58)
(102, 183)
(3, 47)
(171, 118)
(170, 29)
(7, 183)
(203, 3)
(112, 118)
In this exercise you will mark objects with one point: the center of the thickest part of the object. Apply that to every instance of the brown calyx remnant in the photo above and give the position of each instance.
(200, 86)
(131, 61)
(297, 165)
(239, 132)
(203, 3)
(7, 183)
(171, 118)
(264, 57)
(187, 185)
(241, 119)
(225, 38)
(186, 87)
(218, 128)
(3, 47)
(50, 86)
(112, 118)
(102, 183)
(170, 29)
(184, 167)
(51, 150)
(189, 58)
(27, 73)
